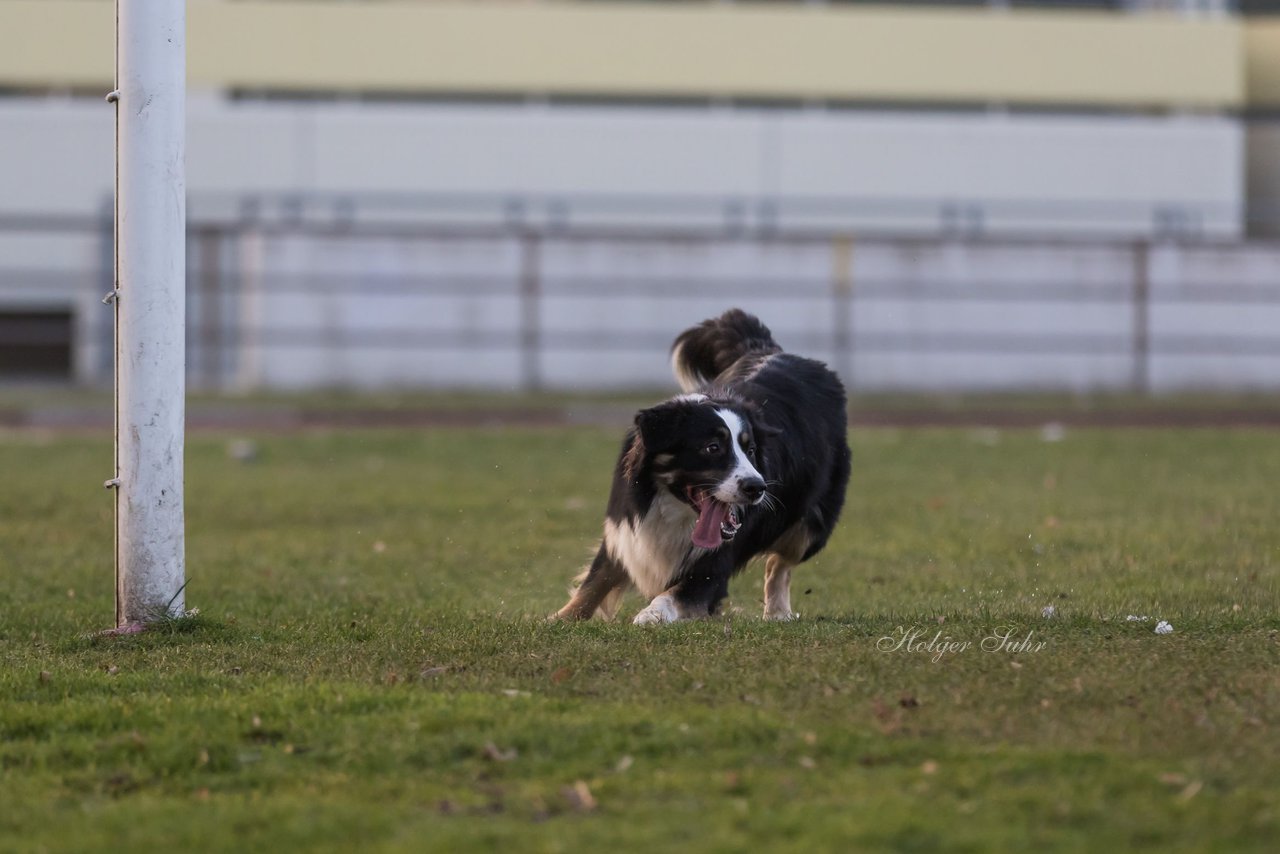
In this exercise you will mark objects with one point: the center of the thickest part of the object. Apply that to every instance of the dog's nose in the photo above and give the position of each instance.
(752, 488)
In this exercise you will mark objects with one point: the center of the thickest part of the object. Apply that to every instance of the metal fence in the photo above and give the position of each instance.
(626, 287)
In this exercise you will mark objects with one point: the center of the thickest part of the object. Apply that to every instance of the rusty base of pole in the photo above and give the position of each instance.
(126, 629)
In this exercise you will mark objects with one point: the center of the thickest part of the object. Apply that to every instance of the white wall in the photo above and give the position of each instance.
(331, 313)
(925, 314)
(1100, 175)
(1208, 295)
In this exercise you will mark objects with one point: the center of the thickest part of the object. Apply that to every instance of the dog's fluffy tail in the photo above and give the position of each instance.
(704, 352)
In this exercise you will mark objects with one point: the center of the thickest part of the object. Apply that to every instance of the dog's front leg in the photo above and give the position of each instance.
(694, 597)
(663, 609)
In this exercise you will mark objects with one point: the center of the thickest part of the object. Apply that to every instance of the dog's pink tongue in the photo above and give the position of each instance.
(706, 531)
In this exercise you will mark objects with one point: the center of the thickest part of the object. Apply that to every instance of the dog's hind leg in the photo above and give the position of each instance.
(599, 588)
(777, 588)
(608, 608)
(789, 550)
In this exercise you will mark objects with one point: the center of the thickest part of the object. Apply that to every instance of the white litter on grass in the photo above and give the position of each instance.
(1053, 432)
(242, 450)
(988, 436)
(1135, 619)
(1163, 628)
(1048, 611)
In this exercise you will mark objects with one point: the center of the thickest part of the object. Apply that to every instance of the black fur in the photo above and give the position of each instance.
(793, 410)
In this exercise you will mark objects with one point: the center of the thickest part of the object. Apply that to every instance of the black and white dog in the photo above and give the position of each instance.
(752, 460)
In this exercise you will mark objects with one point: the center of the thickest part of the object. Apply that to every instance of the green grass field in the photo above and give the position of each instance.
(370, 669)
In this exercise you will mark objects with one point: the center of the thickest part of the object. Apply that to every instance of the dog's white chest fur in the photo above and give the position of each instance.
(656, 547)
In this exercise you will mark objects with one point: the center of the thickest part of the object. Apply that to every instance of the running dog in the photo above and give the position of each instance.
(753, 459)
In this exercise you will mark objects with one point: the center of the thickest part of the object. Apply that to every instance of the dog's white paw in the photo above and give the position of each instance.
(661, 610)
(781, 616)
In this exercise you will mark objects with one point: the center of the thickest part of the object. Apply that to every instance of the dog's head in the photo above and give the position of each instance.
(707, 451)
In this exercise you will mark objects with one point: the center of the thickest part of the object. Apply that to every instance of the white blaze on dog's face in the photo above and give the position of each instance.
(739, 486)
(704, 454)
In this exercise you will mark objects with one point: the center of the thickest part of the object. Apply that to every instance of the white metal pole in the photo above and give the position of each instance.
(150, 305)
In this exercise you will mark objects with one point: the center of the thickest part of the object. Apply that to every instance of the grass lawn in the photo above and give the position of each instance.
(370, 670)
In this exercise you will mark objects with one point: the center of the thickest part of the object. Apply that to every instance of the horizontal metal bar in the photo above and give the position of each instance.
(347, 201)
(575, 232)
(620, 341)
(895, 289)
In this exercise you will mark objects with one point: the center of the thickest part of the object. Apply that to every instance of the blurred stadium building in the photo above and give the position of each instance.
(1081, 195)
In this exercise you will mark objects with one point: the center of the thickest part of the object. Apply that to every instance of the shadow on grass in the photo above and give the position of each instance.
(166, 631)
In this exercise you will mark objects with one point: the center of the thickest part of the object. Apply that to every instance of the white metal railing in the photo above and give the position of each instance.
(387, 283)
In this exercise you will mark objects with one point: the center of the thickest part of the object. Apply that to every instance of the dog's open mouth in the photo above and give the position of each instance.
(717, 521)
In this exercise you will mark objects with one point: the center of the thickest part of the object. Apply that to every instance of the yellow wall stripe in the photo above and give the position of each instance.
(686, 50)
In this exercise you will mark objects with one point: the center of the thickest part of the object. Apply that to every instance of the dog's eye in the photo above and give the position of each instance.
(711, 448)
(751, 451)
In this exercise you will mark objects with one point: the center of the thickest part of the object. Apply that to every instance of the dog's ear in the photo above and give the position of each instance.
(760, 425)
(660, 426)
